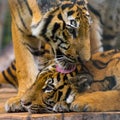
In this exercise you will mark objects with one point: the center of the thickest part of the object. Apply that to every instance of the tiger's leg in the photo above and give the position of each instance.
(26, 70)
(97, 101)
(61, 106)
(8, 76)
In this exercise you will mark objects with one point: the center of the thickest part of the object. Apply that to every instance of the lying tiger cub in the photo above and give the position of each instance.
(93, 86)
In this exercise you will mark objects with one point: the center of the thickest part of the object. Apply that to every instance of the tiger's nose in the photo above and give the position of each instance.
(26, 103)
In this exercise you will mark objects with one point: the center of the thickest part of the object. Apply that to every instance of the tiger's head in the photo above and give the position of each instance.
(52, 87)
(66, 29)
(48, 89)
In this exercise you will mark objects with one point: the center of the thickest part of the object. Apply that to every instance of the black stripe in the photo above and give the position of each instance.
(29, 9)
(55, 28)
(65, 77)
(83, 66)
(13, 66)
(61, 87)
(37, 53)
(53, 11)
(112, 81)
(22, 21)
(47, 22)
(71, 74)
(68, 93)
(31, 36)
(58, 77)
(46, 51)
(84, 8)
(74, 33)
(99, 64)
(46, 103)
(18, 25)
(59, 53)
(46, 38)
(6, 78)
(35, 49)
(64, 35)
(76, 70)
(10, 73)
(64, 6)
(20, 29)
(42, 46)
(60, 16)
(13, 17)
(59, 95)
(70, 13)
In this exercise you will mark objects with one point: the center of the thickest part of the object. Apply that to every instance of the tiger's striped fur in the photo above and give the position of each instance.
(43, 57)
(98, 79)
(9, 75)
(32, 28)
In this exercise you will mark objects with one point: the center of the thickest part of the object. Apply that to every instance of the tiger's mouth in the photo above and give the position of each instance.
(65, 65)
(70, 69)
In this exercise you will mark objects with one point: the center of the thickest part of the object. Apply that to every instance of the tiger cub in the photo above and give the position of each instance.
(93, 86)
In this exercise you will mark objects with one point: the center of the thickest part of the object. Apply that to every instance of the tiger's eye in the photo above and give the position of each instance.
(73, 23)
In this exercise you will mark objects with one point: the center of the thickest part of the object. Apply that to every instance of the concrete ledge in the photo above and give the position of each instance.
(7, 92)
(62, 116)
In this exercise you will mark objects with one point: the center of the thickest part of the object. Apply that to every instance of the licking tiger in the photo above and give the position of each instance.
(93, 86)
(64, 26)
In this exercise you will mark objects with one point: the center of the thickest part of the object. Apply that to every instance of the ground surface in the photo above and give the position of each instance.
(7, 92)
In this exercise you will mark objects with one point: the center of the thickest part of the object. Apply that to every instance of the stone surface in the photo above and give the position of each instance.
(7, 92)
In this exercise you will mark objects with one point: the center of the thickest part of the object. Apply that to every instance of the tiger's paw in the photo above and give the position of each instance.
(81, 107)
(85, 105)
(61, 107)
(13, 105)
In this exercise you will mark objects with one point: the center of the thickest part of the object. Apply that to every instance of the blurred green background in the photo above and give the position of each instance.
(7, 30)
(5, 23)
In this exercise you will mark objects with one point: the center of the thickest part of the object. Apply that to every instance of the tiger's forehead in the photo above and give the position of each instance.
(71, 12)
(74, 9)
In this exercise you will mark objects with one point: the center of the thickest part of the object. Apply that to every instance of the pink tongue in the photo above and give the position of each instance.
(59, 69)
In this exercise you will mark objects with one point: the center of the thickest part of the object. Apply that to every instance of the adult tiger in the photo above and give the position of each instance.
(66, 27)
(93, 86)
